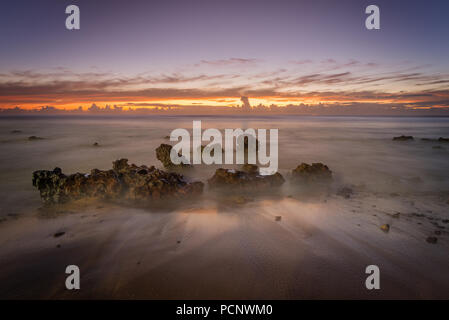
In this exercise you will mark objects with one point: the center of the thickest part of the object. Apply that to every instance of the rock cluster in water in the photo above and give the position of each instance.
(142, 183)
(249, 179)
(316, 172)
(123, 181)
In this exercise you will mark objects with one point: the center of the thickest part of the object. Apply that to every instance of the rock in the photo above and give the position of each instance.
(239, 199)
(277, 218)
(345, 192)
(385, 228)
(250, 168)
(441, 139)
(394, 194)
(59, 234)
(247, 139)
(396, 215)
(403, 138)
(163, 155)
(229, 178)
(211, 149)
(432, 240)
(96, 144)
(123, 182)
(445, 221)
(34, 138)
(16, 131)
(317, 172)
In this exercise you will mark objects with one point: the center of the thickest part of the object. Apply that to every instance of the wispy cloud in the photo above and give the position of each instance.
(229, 62)
(346, 81)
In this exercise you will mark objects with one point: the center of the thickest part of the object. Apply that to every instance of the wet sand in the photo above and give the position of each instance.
(319, 249)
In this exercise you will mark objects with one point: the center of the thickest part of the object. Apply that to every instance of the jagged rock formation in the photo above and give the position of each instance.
(229, 178)
(163, 155)
(123, 182)
(317, 172)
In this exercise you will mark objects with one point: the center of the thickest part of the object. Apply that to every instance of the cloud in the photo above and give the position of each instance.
(228, 62)
(354, 81)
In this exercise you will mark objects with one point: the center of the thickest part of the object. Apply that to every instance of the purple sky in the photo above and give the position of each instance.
(156, 50)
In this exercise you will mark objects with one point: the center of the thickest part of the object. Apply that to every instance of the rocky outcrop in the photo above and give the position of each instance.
(237, 180)
(163, 155)
(403, 138)
(316, 172)
(123, 182)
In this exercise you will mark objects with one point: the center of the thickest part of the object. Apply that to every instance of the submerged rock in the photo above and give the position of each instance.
(345, 192)
(317, 172)
(33, 138)
(240, 179)
(403, 138)
(432, 240)
(238, 199)
(163, 155)
(123, 182)
(16, 131)
(441, 139)
(96, 144)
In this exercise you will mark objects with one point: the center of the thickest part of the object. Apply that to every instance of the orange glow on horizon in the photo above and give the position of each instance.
(206, 102)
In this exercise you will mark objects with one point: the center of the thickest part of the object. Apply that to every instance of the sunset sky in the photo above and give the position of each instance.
(210, 53)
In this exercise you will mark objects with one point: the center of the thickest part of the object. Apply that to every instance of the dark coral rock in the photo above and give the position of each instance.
(250, 168)
(124, 181)
(403, 138)
(316, 172)
(241, 180)
(163, 155)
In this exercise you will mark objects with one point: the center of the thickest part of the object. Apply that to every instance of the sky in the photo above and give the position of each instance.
(210, 53)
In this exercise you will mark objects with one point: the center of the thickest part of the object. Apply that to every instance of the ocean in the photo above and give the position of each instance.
(317, 250)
